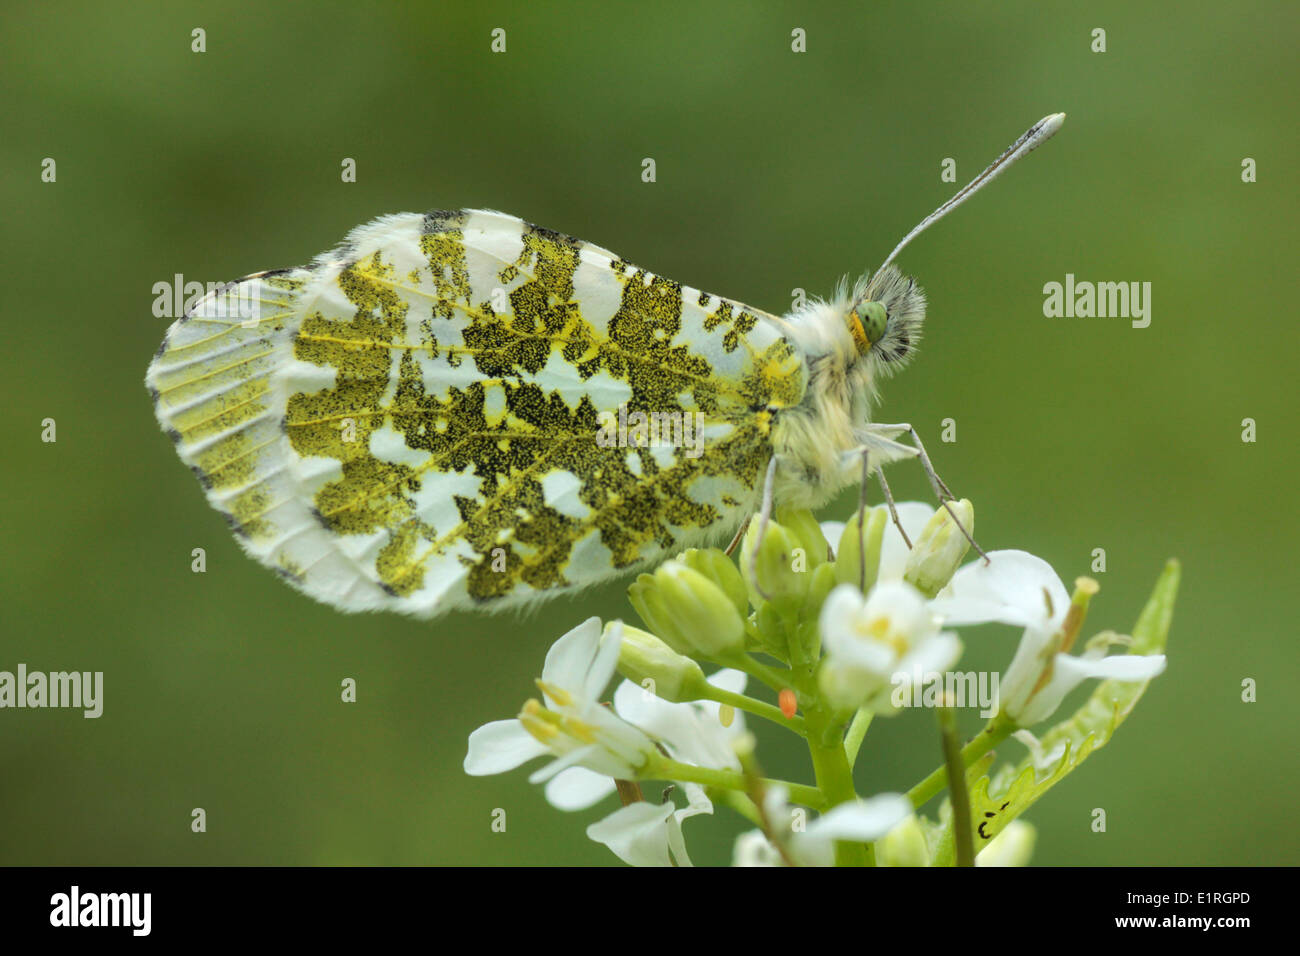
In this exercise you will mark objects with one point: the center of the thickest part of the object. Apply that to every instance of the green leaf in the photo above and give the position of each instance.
(995, 803)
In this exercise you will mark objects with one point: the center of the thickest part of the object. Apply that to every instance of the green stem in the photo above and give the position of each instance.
(857, 730)
(663, 768)
(738, 802)
(835, 781)
(758, 708)
(996, 731)
(956, 767)
(756, 670)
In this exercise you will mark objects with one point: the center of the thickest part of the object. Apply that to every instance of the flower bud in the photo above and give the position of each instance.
(936, 554)
(857, 556)
(701, 612)
(644, 596)
(807, 532)
(722, 571)
(771, 632)
(904, 845)
(643, 656)
(774, 568)
(1012, 847)
(823, 582)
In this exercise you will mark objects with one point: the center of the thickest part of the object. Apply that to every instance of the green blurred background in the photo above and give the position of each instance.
(776, 170)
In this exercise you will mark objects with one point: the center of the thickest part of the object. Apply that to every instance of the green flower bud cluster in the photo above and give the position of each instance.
(691, 610)
(832, 621)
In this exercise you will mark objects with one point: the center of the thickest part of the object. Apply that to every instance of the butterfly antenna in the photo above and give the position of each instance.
(1034, 137)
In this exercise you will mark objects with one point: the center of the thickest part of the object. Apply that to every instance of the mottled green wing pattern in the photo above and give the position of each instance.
(414, 421)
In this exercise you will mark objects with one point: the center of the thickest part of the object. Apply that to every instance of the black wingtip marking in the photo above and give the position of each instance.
(442, 220)
(553, 236)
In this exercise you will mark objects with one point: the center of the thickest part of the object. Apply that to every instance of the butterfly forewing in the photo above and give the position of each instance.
(462, 408)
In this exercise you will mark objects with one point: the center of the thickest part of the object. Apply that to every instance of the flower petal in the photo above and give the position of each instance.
(862, 821)
(932, 657)
(676, 842)
(605, 660)
(578, 788)
(1124, 667)
(1068, 672)
(636, 704)
(570, 657)
(637, 833)
(753, 849)
(832, 531)
(697, 802)
(593, 756)
(1013, 588)
(500, 746)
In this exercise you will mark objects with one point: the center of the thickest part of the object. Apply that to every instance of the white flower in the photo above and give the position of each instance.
(860, 821)
(578, 788)
(572, 725)
(1017, 588)
(645, 834)
(690, 732)
(871, 645)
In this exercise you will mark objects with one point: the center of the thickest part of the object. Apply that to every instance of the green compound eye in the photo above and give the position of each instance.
(874, 320)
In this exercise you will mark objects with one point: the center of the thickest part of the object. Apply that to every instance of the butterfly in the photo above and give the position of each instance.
(459, 409)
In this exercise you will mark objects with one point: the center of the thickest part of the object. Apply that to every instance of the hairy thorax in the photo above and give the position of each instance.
(815, 440)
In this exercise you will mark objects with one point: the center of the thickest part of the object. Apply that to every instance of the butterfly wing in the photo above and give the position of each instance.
(443, 412)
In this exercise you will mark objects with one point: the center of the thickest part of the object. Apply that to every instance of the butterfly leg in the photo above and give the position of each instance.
(862, 511)
(893, 512)
(936, 483)
(877, 449)
(764, 517)
(738, 537)
(884, 487)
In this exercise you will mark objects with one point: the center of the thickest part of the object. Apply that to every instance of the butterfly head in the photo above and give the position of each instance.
(884, 318)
